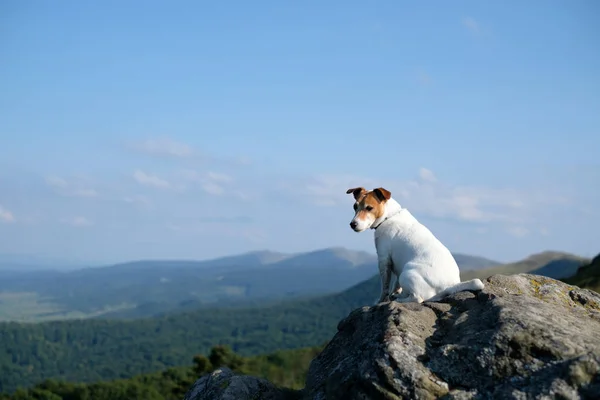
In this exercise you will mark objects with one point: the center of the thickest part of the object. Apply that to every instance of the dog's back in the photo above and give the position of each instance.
(408, 242)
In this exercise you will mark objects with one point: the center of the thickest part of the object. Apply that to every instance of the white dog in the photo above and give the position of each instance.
(408, 253)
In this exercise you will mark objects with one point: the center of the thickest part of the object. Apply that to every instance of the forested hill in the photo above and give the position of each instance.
(150, 288)
(93, 350)
(587, 276)
(286, 369)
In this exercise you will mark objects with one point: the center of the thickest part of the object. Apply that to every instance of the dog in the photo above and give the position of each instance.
(414, 266)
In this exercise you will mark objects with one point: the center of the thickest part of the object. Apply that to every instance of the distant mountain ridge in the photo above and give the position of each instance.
(151, 287)
(269, 258)
(14, 263)
(19, 262)
(553, 264)
(156, 287)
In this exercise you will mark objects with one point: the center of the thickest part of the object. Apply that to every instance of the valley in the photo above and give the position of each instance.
(98, 349)
(149, 288)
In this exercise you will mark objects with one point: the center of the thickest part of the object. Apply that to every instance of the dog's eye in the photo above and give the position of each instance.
(369, 208)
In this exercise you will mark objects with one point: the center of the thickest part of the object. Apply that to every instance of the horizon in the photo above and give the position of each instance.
(49, 263)
(199, 131)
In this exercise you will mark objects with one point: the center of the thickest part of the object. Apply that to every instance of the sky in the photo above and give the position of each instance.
(192, 130)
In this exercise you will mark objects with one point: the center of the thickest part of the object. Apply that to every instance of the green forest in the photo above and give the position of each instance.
(588, 276)
(286, 369)
(97, 349)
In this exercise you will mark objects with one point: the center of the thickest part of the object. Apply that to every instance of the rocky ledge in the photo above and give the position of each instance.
(522, 337)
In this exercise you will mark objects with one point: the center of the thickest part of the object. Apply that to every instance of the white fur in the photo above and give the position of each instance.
(363, 225)
(414, 265)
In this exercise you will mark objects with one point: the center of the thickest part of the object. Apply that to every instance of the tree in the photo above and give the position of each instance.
(223, 356)
(202, 365)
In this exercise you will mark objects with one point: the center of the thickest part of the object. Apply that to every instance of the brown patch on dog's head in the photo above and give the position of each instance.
(382, 194)
(369, 204)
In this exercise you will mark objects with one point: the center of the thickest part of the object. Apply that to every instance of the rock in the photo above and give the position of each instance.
(523, 337)
(223, 384)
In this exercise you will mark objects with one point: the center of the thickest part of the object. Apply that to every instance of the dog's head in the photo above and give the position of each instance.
(369, 206)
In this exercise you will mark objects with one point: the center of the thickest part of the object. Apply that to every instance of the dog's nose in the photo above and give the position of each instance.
(353, 224)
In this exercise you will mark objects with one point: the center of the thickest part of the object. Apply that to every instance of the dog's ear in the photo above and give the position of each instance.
(356, 192)
(382, 194)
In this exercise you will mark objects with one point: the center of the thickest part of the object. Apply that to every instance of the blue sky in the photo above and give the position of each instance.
(192, 130)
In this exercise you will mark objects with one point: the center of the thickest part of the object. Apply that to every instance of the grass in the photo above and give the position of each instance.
(31, 307)
(25, 307)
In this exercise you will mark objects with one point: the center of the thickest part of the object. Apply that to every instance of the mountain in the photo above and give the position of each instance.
(20, 262)
(468, 263)
(250, 259)
(155, 287)
(561, 268)
(553, 263)
(149, 287)
(255, 258)
(330, 256)
(587, 276)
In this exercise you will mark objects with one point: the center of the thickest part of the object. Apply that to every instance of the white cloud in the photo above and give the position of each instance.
(243, 160)
(137, 199)
(427, 175)
(427, 195)
(164, 147)
(213, 183)
(325, 202)
(84, 193)
(518, 231)
(250, 234)
(56, 182)
(6, 216)
(471, 25)
(470, 203)
(77, 222)
(212, 188)
(244, 196)
(150, 180)
(66, 188)
(218, 177)
(322, 190)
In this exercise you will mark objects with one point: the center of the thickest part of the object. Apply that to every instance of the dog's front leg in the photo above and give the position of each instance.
(393, 282)
(385, 273)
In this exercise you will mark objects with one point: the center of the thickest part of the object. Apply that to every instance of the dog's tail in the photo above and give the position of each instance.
(473, 284)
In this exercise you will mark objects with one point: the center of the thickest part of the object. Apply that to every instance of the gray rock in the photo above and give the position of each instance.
(223, 384)
(522, 337)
